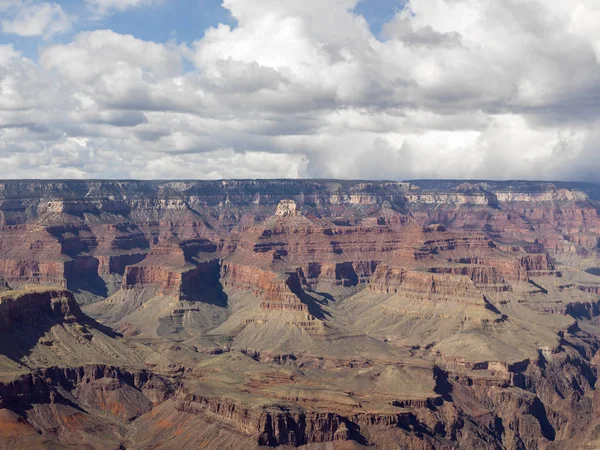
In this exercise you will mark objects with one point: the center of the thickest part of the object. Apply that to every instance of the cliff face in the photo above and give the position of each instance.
(81, 233)
(276, 291)
(296, 246)
(30, 306)
(425, 314)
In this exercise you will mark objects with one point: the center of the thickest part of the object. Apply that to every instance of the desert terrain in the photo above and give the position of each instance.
(312, 314)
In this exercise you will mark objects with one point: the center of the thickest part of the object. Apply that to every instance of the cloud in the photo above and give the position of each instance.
(455, 89)
(36, 19)
(104, 53)
(7, 53)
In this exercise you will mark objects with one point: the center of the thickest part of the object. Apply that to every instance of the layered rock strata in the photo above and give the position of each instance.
(337, 314)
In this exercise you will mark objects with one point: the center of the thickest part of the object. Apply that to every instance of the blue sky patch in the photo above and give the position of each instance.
(378, 12)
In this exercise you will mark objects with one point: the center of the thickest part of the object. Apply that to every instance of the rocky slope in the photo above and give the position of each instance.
(313, 314)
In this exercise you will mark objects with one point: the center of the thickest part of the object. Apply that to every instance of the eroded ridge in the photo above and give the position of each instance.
(315, 314)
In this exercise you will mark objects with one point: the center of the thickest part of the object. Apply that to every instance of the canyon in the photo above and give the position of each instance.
(314, 314)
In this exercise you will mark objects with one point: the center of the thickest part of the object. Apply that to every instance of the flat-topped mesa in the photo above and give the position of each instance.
(275, 291)
(435, 286)
(119, 245)
(539, 264)
(161, 267)
(346, 274)
(63, 254)
(484, 277)
(32, 305)
(30, 254)
(170, 267)
(509, 269)
(117, 264)
(498, 274)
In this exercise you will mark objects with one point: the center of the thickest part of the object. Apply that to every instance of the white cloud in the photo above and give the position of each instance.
(36, 19)
(104, 53)
(470, 88)
(7, 52)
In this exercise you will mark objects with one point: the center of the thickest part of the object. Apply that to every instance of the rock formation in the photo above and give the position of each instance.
(323, 314)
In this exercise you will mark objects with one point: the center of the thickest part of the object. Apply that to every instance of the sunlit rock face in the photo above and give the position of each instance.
(299, 313)
(286, 208)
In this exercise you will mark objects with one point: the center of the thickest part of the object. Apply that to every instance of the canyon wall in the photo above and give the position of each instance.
(424, 314)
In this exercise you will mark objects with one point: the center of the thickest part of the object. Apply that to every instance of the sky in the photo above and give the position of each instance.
(352, 89)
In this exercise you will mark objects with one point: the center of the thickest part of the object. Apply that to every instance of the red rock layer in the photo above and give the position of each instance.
(453, 287)
(167, 267)
(275, 290)
(330, 233)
